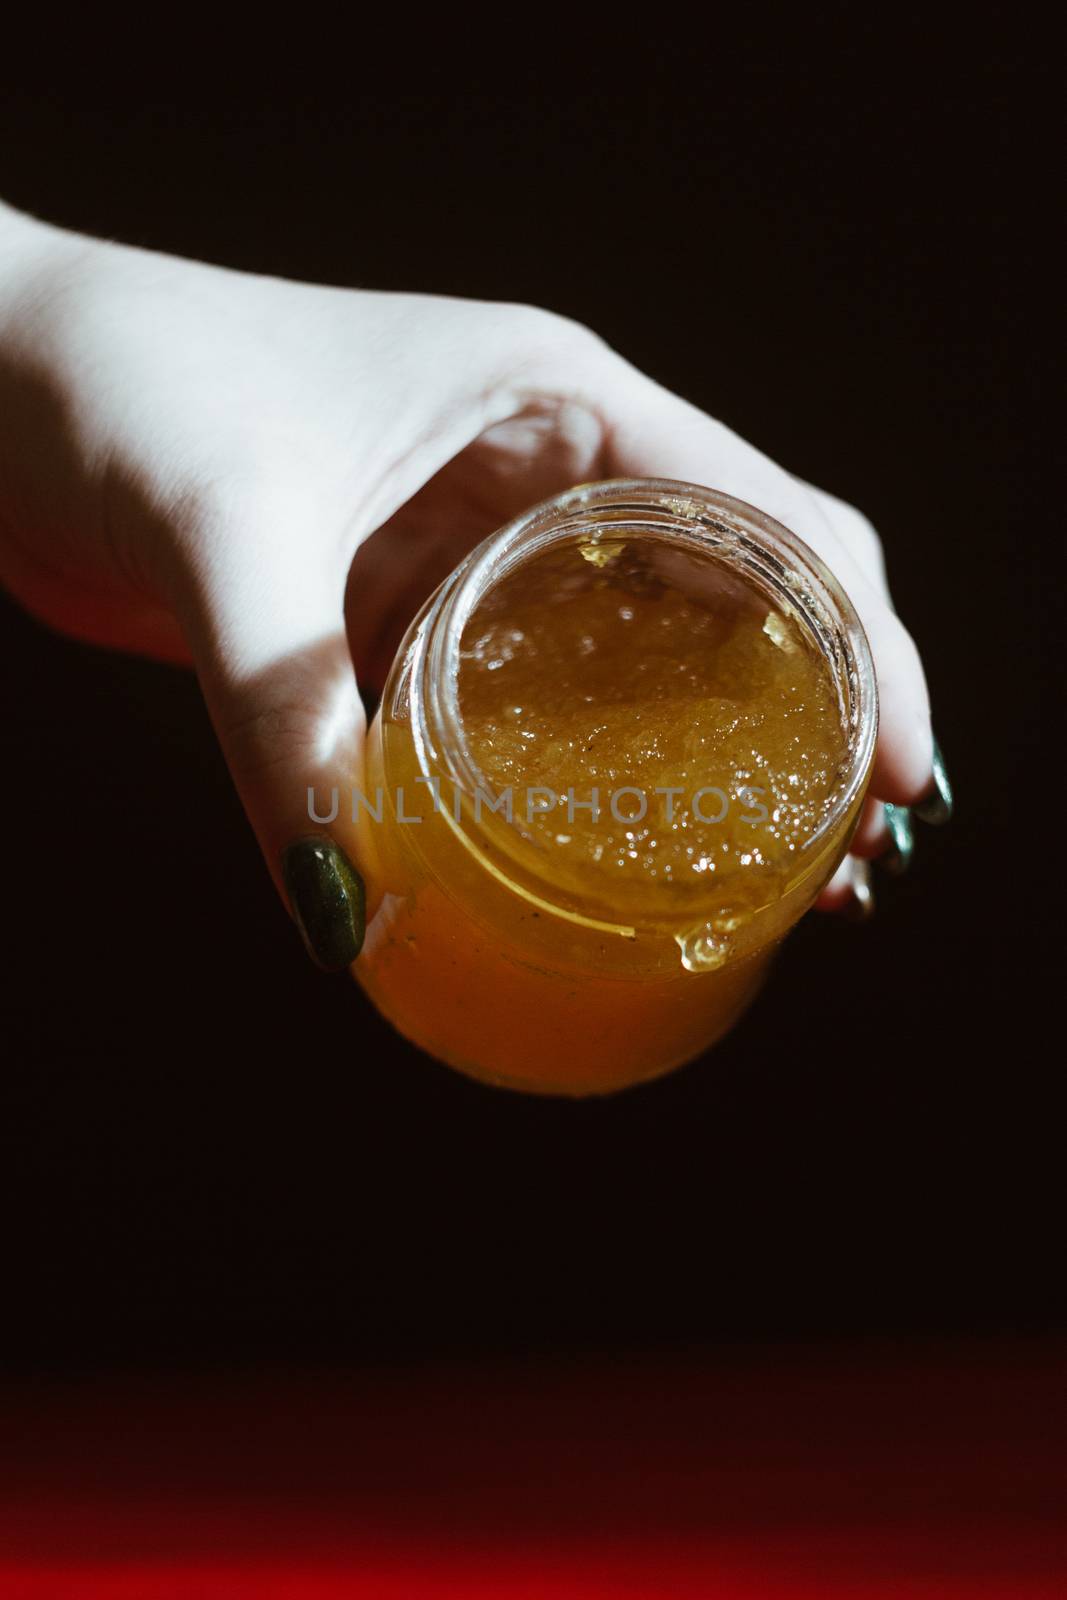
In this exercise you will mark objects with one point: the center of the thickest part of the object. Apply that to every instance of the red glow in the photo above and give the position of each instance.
(933, 1475)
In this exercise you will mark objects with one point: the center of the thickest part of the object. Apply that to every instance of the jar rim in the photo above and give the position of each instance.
(709, 521)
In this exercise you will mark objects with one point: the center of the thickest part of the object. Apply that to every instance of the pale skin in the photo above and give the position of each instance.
(217, 469)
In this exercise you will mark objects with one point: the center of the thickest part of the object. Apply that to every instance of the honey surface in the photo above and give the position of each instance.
(631, 665)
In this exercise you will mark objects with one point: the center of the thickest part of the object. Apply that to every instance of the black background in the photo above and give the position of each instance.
(212, 1152)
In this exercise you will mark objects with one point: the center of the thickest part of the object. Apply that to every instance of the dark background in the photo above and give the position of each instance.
(212, 1153)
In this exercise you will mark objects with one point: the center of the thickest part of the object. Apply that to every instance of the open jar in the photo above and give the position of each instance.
(563, 936)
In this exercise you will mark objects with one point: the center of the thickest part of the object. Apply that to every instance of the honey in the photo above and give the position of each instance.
(635, 740)
(661, 679)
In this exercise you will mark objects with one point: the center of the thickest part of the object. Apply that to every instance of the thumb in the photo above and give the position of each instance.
(268, 640)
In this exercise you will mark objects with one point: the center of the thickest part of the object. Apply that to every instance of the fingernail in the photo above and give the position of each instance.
(897, 858)
(328, 902)
(861, 905)
(937, 807)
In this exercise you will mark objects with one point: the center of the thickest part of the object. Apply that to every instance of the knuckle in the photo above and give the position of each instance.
(861, 530)
(264, 740)
(541, 330)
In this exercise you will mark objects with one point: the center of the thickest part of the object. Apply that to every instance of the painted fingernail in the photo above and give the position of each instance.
(897, 858)
(327, 898)
(860, 906)
(937, 807)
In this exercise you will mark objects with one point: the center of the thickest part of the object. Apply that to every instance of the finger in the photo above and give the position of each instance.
(838, 892)
(849, 890)
(266, 629)
(857, 533)
(651, 432)
(871, 838)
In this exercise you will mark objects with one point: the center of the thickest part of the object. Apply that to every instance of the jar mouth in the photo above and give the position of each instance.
(706, 522)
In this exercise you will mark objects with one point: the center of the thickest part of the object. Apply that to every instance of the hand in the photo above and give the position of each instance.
(193, 457)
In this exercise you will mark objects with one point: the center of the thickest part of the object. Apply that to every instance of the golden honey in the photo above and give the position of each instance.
(618, 756)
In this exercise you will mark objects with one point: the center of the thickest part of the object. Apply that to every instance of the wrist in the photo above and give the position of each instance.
(30, 251)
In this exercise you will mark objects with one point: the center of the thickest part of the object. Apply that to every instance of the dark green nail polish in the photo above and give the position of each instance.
(898, 820)
(937, 807)
(328, 901)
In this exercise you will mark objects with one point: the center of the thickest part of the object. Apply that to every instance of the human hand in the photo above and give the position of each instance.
(215, 468)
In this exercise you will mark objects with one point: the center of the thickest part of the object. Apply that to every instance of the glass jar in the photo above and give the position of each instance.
(478, 947)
